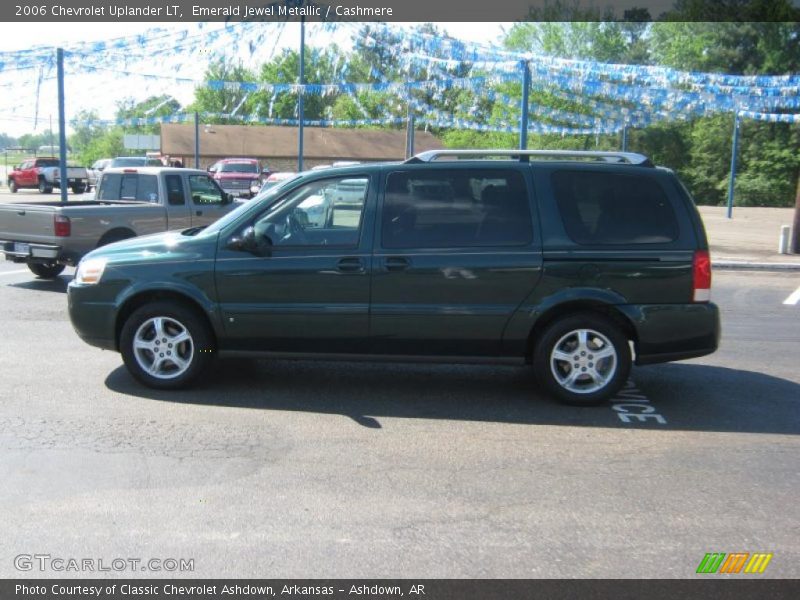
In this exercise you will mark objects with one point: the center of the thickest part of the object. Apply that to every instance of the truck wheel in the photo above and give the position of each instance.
(12, 186)
(115, 235)
(582, 359)
(78, 189)
(166, 345)
(46, 270)
(43, 187)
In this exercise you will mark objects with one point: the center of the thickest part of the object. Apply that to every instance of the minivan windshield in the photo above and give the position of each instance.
(268, 195)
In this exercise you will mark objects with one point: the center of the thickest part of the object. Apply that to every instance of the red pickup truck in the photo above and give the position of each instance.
(44, 173)
(238, 176)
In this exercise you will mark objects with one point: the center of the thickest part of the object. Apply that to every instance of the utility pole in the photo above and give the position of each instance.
(526, 86)
(301, 93)
(62, 127)
(409, 125)
(734, 152)
(795, 245)
(196, 140)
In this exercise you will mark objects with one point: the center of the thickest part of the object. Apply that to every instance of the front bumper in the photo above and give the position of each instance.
(93, 315)
(667, 332)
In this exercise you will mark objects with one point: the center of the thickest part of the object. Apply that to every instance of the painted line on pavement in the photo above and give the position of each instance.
(631, 404)
(14, 272)
(793, 298)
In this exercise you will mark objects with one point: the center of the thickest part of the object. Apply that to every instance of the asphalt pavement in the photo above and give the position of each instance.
(327, 469)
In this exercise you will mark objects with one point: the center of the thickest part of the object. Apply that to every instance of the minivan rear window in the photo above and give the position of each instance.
(456, 208)
(605, 208)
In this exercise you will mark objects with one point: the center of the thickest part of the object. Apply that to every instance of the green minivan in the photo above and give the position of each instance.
(576, 263)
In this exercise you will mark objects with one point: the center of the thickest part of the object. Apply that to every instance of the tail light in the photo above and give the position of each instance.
(701, 275)
(62, 226)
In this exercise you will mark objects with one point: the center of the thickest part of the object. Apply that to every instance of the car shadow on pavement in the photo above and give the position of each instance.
(688, 396)
(710, 398)
(58, 284)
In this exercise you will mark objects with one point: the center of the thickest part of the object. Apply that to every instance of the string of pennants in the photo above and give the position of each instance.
(433, 119)
(610, 96)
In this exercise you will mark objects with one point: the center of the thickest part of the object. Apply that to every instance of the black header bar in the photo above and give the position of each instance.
(390, 10)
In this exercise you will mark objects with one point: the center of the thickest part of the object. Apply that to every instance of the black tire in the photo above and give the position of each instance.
(78, 189)
(198, 354)
(562, 335)
(12, 186)
(43, 187)
(46, 270)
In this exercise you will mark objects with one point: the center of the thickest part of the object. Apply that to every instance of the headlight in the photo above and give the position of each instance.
(90, 271)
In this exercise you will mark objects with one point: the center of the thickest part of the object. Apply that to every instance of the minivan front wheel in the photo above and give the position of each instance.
(166, 345)
(582, 359)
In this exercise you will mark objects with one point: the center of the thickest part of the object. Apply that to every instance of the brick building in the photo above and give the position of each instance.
(276, 147)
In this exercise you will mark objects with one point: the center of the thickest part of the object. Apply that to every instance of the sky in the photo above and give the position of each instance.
(27, 105)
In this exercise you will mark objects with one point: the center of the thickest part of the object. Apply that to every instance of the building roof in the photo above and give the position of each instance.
(281, 142)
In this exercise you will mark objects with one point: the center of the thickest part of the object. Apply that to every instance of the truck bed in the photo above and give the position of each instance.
(70, 203)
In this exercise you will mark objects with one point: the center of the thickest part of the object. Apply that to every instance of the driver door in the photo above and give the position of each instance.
(208, 201)
(302, 282)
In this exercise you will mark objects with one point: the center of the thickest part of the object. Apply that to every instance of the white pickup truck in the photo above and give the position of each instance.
(129, 202)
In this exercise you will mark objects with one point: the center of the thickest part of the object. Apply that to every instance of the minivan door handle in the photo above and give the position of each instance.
(199, 213)
(350, 265)
(397, 263)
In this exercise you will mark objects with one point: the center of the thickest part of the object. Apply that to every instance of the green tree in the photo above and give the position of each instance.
(154, 106)
(108, 145)
(754, 44)
(215, 100)
(6, 141)
(85, 129)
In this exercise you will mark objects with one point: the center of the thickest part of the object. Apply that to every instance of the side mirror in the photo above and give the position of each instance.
(212, 170)
(16, 167)
(248, 241)
(227, 198)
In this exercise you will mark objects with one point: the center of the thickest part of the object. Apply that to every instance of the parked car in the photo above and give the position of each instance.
(44, 174)
(96, 170)
(577, 263)
(274, 179)
(135, 161)
(129, 202)
(238, 176)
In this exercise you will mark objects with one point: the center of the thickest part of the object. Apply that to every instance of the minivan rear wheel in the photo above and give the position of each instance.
(582, 359)
(166, 345)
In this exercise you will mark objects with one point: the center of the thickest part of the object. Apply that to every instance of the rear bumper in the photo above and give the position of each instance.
(667, 332)
(16, 252)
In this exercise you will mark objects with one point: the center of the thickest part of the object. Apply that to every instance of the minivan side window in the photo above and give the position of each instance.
(456, 208)
(603, 208)
(321, 213)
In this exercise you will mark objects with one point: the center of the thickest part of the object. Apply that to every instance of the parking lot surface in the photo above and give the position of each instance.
(342, 469)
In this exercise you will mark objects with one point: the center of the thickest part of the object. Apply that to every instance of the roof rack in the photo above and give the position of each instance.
(630, 158)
